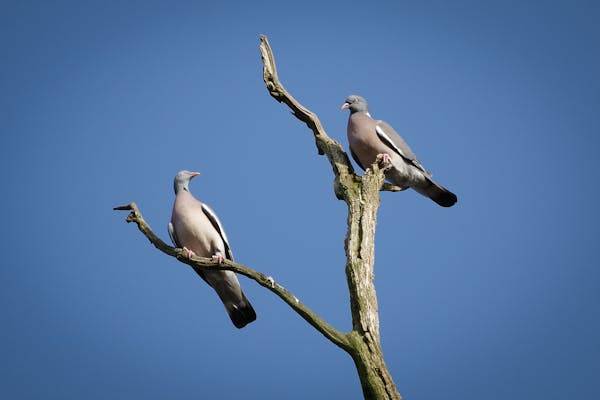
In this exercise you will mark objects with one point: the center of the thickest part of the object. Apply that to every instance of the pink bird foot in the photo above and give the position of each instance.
(218, 258)
(384, 160)
(188, 253)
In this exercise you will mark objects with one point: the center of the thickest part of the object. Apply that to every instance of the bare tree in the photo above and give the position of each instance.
(361, 195)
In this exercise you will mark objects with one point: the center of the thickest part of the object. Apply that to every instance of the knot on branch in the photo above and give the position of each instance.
(272, 89)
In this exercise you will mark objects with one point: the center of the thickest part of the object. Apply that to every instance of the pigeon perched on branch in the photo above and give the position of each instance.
(373, 140)
(196, 228)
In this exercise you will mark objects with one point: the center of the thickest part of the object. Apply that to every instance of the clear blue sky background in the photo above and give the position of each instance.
(103, 102)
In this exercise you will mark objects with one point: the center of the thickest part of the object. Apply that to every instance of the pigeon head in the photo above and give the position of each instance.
(355, 103)
(182, 180)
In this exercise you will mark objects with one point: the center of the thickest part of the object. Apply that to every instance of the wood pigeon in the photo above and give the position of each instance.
(375, 140)
(196, 228)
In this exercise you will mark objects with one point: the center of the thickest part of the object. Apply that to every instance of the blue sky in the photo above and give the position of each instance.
(103, 102)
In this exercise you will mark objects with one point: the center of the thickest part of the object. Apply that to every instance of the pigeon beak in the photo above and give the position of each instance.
(193, 174)
(345, 106)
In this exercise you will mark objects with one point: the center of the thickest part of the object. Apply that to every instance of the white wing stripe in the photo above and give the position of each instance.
(214, 217)
(387, 140)
(172, 235)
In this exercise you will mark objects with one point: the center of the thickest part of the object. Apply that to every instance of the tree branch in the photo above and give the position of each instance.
(342, 167)
(361, 195)
(267, 282)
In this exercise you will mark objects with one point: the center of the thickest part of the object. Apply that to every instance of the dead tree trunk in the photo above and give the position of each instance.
(361, 195)
(366, 352)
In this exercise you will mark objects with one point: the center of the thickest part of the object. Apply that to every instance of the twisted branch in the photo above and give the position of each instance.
(263, 280)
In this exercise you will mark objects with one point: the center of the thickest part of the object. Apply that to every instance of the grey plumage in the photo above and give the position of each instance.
(196, 227)
(369, 138)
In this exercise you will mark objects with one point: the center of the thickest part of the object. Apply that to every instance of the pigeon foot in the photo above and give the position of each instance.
(384, 160)
(188, 253)
(218, 258)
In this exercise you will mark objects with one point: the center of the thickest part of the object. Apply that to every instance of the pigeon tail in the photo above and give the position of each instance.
(438, 193)
(241, 314)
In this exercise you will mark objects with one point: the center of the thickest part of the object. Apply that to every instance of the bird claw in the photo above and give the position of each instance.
(187, 253)
(218, 258)
(384, 160)
(271, 281)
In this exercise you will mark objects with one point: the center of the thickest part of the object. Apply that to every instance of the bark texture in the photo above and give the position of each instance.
(361, 195)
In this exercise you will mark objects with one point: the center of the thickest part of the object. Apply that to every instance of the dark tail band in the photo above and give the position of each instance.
(439, 194)
(241, 314)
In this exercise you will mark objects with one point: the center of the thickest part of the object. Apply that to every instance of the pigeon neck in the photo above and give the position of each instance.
(366, 112)
(181, 187)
